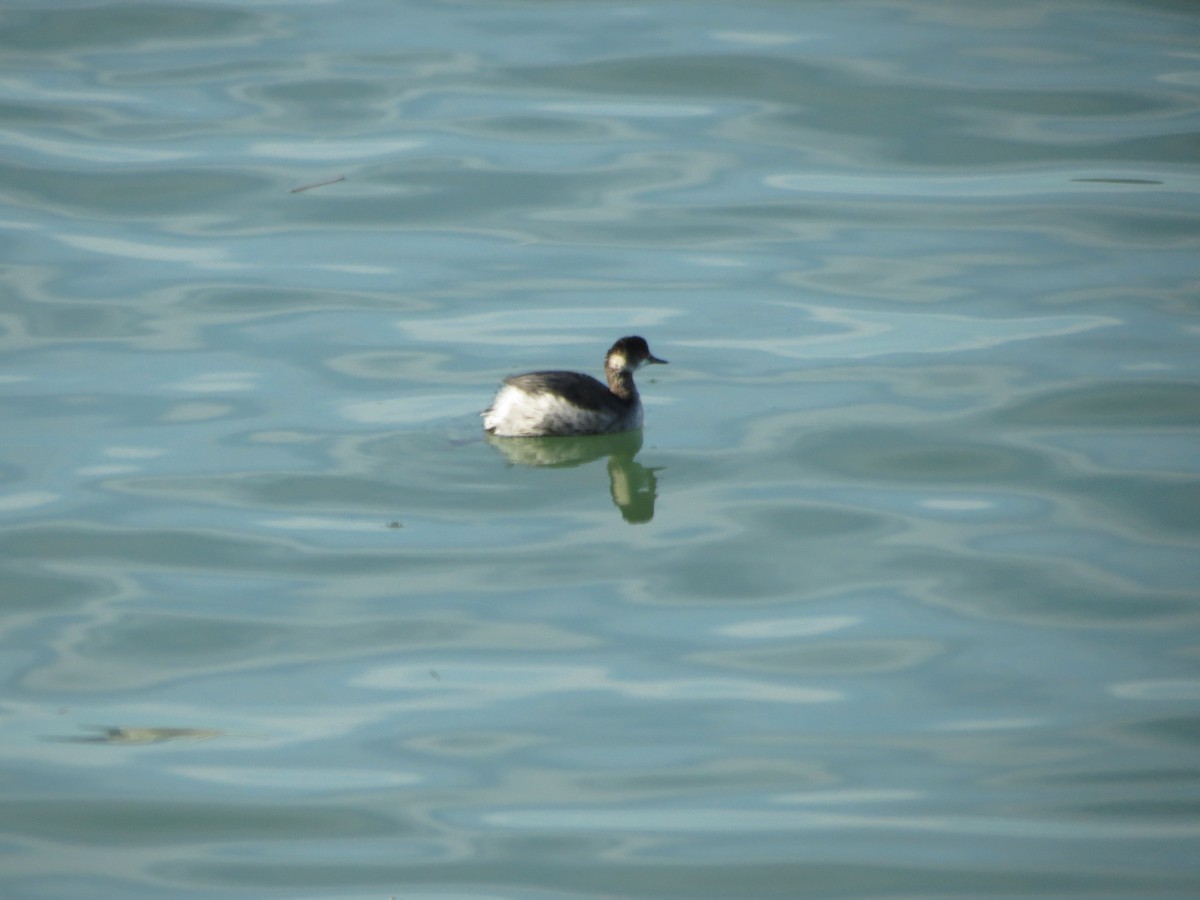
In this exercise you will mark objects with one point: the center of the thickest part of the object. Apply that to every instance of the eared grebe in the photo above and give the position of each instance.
(544, 404)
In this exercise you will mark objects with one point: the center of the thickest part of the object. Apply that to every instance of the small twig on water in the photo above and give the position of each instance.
(309, 187)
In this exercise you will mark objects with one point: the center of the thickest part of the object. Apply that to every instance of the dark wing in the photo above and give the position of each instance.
(576, 388)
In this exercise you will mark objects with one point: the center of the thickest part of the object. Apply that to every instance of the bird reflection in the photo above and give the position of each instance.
(633, 486)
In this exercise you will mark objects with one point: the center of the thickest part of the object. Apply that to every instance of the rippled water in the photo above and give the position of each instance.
(895, 596)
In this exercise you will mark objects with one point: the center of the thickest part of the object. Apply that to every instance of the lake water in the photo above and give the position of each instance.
(895, 596)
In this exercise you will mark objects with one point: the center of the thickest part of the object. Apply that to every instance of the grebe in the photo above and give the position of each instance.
(545, 404)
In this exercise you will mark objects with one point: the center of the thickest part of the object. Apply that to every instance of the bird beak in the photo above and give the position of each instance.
(655, 359)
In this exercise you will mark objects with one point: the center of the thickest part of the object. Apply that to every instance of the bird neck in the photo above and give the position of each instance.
(620, 382)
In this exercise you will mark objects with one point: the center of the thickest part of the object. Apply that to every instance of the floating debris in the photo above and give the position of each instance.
(309, 187)
(118, 735)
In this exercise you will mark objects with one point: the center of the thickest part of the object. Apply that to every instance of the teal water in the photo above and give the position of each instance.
(894, 596)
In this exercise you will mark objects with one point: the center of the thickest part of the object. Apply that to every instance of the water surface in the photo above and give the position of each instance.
(894, 596)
